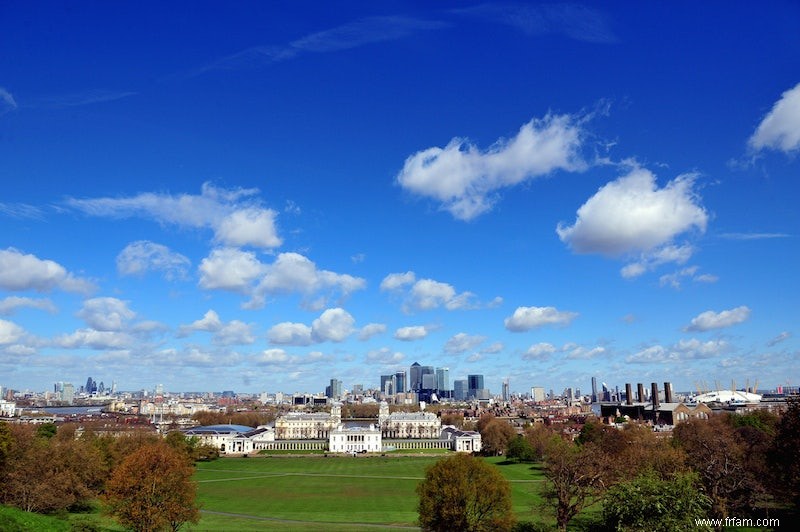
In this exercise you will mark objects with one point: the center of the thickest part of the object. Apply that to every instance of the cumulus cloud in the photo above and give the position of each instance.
(466, 180)
(235, 217)
(691, 349)
(395, 281)
(462, 342)
(144, 256)
(780, 129)
(210, 322)
(19, 271)
(579, 352)
(385, 356)
(10, 332)
(709, 319)
(10, 305)
(428, 294)
(230, 269)
(333, 325)
(409, 334)
(633, 215)
(106, 314)
(527, 318)
(540, 351)
(95, 339)
(272, 356)
(294, 273)
(371, 329)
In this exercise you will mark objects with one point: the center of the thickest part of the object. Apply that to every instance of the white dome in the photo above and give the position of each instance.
(728, 396)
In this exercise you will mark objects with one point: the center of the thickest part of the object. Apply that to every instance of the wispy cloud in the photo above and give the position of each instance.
(350, 35)
(7, 102)
(78, 99)
(575, 21)
(21, 210)
(753, 236)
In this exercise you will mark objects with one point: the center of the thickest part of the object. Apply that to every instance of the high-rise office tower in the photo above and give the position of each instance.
(442, 380)
(400, 382)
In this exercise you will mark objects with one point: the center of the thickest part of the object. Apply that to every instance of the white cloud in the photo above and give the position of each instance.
(409, 334)
(335, 325)
(632, 215)
(10, 332)
(385, 356)
(250, 226)
(428, 294)
(463, 342)
(692, 349)
(10, 304)
(210, 322)
(143, 256)
(230, 269)
(371, 329)
(540, 351)
(582, 353)
(106, 313)
(395, 281)
(288, 333)
(527, 318)
(235, 218)
(709, 319)
(94, 339)
(20, 272)
(780, 129)
(294, 273)
(466, 180)
(273, 356)
(235, 332)
(493, 348)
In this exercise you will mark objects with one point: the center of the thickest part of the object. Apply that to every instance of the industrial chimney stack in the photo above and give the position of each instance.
(640, 389)
(654, 392)
(667, 392)
(628, 394)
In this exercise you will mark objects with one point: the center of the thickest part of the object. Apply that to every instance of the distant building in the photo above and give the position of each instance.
(537, 394)
(462, 441)
(443, 381)
(307, 426)
(7, 408)
(460, 390)
(408, 424)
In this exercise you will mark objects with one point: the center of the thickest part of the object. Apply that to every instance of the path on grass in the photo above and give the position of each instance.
(318, 523)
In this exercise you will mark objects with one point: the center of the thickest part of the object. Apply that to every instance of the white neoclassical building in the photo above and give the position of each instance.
(307, 426)
(229, 439)
(355, 440)
(408, 425)
(7, 408)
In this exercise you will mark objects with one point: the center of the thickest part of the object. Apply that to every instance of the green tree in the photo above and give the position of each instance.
(576, 477)
(521, 450)
(152, 490)
(466, 494)
(650, 503)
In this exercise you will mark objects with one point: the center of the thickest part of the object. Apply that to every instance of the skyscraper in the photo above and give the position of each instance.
(475, 385)
(415, 376)
(594, 389)
(506, 392)
(388, 384)
(400, 382)
(460, 390)
(442, 380)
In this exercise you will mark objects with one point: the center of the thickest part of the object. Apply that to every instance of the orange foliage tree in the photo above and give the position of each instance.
(152, 490)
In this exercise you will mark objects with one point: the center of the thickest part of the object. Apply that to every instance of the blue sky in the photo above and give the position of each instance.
(264, 196)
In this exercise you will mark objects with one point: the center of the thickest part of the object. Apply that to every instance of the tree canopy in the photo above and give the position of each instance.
(466, 494)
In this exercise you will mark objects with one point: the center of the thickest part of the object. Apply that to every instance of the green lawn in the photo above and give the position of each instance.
(362, 493)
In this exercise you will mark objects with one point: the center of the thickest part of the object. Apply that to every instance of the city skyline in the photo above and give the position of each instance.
(543, 193)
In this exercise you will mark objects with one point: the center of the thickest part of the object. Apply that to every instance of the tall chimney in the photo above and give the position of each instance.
(628, 394)
(654, 393)
(640, 389)
(667, 392)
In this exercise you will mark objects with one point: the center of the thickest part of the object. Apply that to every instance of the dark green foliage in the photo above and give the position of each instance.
(521, 450)
(650, 503)
(46, 430)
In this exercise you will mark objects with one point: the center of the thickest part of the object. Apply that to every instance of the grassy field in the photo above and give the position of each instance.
(334, 493)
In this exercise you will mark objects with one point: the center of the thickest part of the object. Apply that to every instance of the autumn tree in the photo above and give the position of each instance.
(466, 494)
(152, 490)
(785, 454)
(496, 435)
